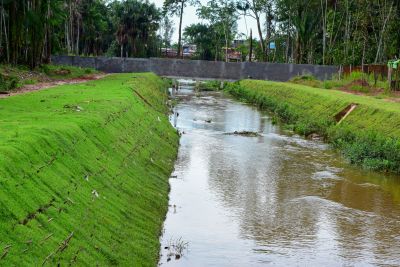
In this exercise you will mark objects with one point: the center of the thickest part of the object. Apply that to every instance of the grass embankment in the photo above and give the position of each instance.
(369, 136)
(84, 173)
(14, 77)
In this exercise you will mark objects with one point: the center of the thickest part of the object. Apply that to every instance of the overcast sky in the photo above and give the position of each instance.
(189, 17)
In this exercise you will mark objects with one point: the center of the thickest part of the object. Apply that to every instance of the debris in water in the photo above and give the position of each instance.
(244, 133)
(208, 121)
(176, 248)
(314, 136)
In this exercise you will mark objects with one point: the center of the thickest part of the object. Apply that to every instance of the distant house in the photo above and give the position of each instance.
(232, 54)
(169, 52)
(189, 50)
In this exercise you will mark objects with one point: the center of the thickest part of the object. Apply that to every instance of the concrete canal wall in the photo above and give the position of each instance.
(199, 68)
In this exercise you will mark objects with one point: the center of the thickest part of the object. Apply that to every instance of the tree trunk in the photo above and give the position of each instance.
(13, 32)
(48, 35)
(268, 17)
(260, 35)
(324, 10)
(251, 45)
(5, 35)
(378, 50)
(77, 38)
(298, 50)
(288, 41)
(180, 30)
(226, 43)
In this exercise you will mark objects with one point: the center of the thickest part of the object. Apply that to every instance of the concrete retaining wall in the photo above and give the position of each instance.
(199, 68)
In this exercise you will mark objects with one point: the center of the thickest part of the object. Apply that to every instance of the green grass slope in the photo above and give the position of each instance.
(369, 136)
(84, 173)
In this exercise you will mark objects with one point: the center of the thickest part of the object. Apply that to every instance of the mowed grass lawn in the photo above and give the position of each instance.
(84, 173)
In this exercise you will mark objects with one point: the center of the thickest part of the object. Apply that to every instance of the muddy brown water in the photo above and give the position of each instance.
(271, 200)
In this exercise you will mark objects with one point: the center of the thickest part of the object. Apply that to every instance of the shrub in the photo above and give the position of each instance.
(8, 82)
(307, 79)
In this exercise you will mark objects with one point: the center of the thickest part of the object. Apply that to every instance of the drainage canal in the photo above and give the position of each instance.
(248, 193)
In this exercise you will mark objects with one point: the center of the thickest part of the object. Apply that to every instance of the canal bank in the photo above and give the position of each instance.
(271, 198)
(365, 129)
(84, 173)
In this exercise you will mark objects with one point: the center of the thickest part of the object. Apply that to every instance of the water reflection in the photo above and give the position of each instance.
(275, 199)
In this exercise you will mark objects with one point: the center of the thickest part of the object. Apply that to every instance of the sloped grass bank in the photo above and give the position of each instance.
(84, 173)
(368, 136)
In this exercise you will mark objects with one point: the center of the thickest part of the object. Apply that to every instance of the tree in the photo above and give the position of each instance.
(202, 35)
(176, 7)
(138, 23)
(166, 31)
(255, 9)
(222, 14)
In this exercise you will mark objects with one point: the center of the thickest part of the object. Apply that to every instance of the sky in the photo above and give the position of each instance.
(189, 17)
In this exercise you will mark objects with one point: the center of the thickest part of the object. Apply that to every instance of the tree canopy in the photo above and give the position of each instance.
(346, 32)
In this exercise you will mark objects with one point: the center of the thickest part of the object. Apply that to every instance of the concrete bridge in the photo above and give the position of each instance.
(199, 69)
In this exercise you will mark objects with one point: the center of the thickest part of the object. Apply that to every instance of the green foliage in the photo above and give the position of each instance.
(210, 85)
(8, 82)
(369, 136)
(204, 37)
(91, 159)
(65, 72)
(313, 32)
(308, 80)
(370, 149)
(137, 23)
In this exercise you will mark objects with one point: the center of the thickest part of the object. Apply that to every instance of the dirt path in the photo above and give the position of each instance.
(44, 85)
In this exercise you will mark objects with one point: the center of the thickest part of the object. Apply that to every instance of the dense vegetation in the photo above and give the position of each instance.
(32, 30)
(311, 31)
(84, 173)
(369, 136)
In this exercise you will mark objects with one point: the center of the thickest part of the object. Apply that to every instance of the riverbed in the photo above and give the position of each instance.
(272, 198)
